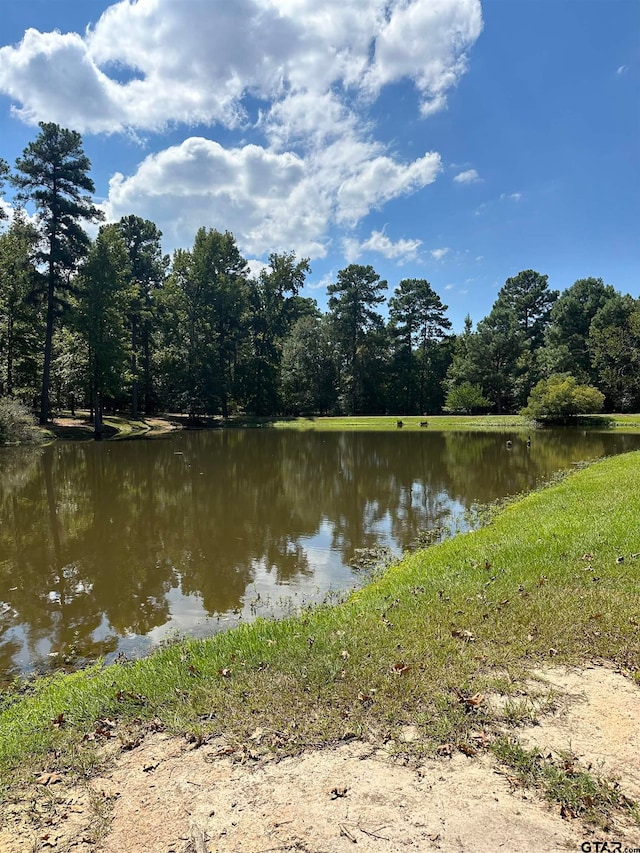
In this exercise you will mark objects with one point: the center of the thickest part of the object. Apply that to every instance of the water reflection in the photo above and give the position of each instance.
(104, 544)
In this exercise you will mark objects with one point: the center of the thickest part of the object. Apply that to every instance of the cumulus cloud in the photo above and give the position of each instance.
(470, 176)
(271, 201)
(195, 61)
(510, 196)
(379, 243)
(296, 77)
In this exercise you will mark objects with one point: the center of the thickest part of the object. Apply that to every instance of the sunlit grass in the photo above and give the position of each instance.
(552, 579)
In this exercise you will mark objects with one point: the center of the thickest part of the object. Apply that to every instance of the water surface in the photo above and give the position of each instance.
(108, 548)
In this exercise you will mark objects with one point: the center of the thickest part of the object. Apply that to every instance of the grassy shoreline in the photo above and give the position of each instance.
(553, 579)
(118, 427)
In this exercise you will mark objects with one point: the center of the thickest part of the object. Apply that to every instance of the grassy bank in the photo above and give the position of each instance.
(79, 428)
(553, 579)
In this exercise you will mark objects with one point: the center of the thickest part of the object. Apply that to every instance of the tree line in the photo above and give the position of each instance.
(113, 323)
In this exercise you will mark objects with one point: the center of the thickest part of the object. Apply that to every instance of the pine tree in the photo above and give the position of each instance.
(53, 173)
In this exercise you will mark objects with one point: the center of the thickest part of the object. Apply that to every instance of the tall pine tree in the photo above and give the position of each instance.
(53, 173)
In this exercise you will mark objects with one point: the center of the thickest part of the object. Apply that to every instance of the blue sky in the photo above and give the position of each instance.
(443, 139)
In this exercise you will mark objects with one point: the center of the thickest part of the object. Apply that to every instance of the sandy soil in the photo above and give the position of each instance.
(166, 796)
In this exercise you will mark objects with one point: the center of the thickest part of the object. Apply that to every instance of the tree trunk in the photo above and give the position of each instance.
(97, 417)
(48, 347)
(134, 370)
(9, 384)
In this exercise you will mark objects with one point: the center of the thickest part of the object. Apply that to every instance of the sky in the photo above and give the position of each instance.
(451, 140)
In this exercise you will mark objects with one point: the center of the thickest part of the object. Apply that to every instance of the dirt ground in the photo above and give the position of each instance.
(166, 796)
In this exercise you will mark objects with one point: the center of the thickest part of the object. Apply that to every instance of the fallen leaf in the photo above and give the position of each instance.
(48, 779)
(58, 721)
(480, 738)
(338, 792)
(467, 636)
(400, 668)
(445, 749)
(470, 701)
(345, 654)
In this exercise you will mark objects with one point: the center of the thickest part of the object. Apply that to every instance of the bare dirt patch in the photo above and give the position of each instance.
(168, 797)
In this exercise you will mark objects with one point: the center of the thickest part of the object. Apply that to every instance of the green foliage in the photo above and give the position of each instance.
(146, 270)
(101, 310)
(418, 325)
(4, 174)
(565, 349)
(353, 299)
(308, 375)
(614, 345)
(53, 173)
(561, 397)
(17, 425)
(208, 338)
(21, 317)
(274, 306)
(205, 303)
(466, 398)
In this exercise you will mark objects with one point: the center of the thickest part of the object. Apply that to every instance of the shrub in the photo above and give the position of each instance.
(465, 398)
(560, 398)
(17, 424)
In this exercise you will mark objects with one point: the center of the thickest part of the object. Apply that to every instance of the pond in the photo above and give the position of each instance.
(110, 548)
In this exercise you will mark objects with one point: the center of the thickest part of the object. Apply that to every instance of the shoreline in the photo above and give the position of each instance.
(552, 581)
(120, 427)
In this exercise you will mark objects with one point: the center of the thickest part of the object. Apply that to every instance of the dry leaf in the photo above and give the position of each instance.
(470, 701)
(49, 779)
(345, 654)
(467, 636)
(338, 792)
(400, 668)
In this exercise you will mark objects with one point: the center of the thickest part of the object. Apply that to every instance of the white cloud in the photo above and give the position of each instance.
(470, 176)
(621, 69)
(439, 254)
(255, 267)
(448, 287)
(270, 201)
(154, 62)
(425, 42)
(510, 196)
(301, 74)
(379, 179)
(327, 279)
(378, 242)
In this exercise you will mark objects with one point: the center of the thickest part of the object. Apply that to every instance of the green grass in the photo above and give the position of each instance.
(552, 579)
(119, 426)
(626, 423)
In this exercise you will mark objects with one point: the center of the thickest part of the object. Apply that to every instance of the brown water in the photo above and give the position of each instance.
(113, 547)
